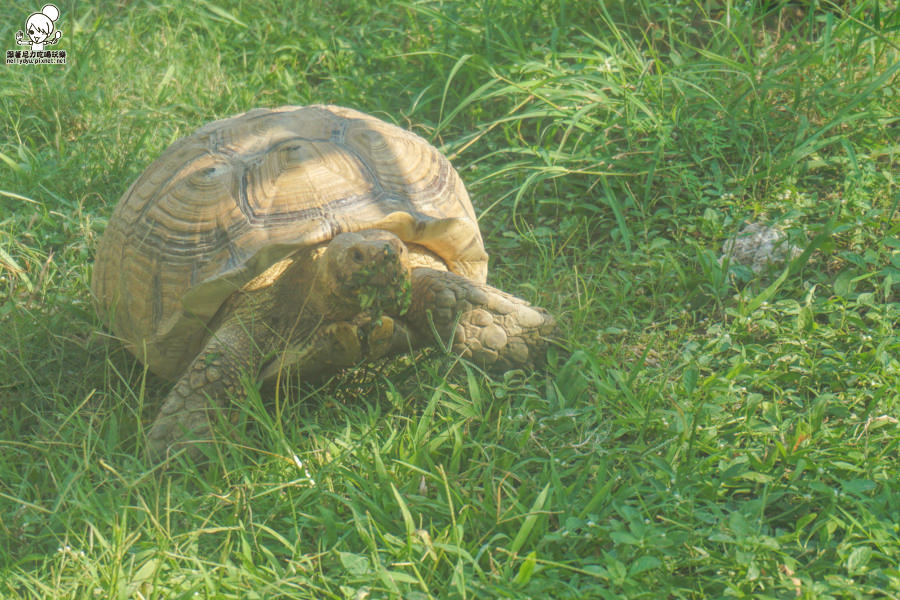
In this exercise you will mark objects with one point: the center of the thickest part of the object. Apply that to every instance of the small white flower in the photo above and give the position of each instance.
(306, 472)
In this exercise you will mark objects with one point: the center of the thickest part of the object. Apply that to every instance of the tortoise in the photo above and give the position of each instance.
(307, 238)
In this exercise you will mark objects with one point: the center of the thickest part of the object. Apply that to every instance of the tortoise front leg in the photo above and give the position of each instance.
(488, 326)
(335, 346)
(213, 376)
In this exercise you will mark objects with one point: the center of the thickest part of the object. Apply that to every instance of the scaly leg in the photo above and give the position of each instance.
(489, 326)
(212, 377)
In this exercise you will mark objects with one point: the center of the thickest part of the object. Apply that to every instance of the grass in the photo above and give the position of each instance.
(702, 433)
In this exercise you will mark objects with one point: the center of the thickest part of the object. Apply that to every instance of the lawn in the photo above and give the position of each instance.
(699, 430)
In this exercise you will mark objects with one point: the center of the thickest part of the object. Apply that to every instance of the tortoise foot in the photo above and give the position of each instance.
(183, 422)
(487, 325)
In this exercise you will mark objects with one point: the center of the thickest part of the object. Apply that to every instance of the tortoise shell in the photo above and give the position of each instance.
(223, 205)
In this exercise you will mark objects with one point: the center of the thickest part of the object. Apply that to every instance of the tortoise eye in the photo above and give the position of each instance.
(357, 255)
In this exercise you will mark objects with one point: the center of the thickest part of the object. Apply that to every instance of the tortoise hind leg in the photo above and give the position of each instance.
(488, 326)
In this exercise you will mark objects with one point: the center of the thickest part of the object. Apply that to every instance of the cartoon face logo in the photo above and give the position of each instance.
(39, 28)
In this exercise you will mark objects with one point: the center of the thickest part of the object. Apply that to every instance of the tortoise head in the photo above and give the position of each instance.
(367, 271)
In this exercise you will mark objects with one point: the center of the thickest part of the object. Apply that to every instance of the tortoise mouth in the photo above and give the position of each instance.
(370, 273)
(378, 288)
